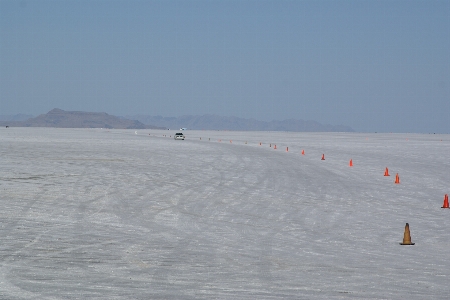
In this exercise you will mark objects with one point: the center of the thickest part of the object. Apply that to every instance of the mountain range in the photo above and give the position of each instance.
(214, 122)
(78, 119)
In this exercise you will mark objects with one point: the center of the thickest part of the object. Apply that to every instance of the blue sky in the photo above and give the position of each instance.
(379, 66)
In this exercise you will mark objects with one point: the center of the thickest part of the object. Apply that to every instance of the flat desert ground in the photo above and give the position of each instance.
(135, 214)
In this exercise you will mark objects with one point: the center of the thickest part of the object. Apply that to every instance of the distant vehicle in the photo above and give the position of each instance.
(183, 128)
(178, 136)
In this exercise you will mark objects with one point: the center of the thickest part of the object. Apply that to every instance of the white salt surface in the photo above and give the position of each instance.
(119, 214)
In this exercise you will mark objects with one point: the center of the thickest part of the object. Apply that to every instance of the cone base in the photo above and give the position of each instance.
(387, 175)
(445, 207)
(407, 244)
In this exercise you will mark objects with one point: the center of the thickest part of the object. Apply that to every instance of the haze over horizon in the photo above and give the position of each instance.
(376, 66)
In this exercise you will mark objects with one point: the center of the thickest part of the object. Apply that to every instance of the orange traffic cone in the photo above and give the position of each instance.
(303, 152)
(351, 163)
(397, 179)
(445, 202)
(260, 143)
(407, 236)
(323, 156)
(275, 147)
(386, 172)
(287, 149)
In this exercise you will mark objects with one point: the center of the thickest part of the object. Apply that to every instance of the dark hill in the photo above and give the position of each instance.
(78, 119)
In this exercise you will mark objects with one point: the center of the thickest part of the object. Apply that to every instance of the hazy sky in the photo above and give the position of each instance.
(373, 65)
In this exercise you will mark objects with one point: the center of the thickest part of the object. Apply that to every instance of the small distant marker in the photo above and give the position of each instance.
(275, 147)
(397, 179)
(303, 152)
(287, 149)
(323, 156)
(386, 172)
(351, 163)
(445, 205)
(260, 143)
(407, 236)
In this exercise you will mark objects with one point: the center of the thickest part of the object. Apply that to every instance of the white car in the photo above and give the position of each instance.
(178, 136)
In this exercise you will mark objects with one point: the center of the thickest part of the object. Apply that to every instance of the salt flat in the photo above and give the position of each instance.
(125, 214)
